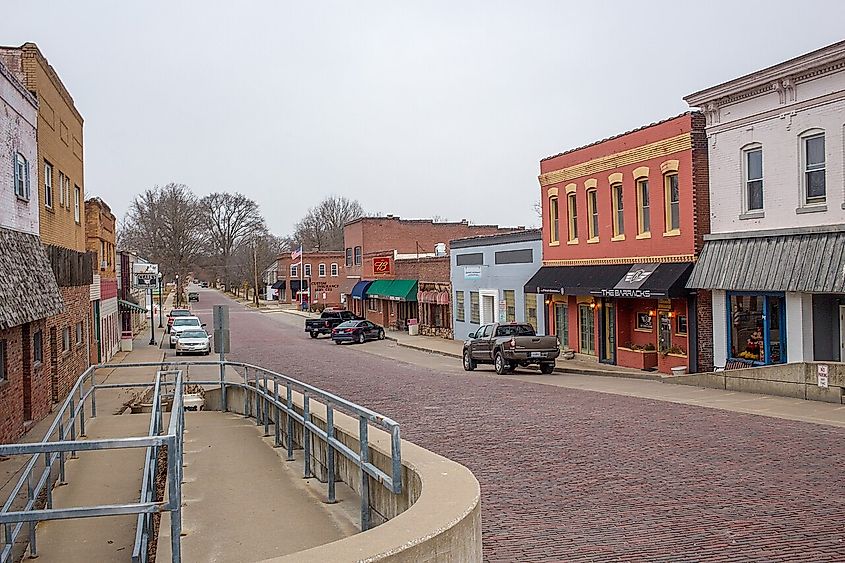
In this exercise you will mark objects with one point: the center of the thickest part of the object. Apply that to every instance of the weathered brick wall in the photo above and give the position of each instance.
(424, 269)
(11, 390)
(100, 236)
(65, 367)
(704, 318)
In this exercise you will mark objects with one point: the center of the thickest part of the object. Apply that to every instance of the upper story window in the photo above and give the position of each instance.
(294, 270)
(643, 209)
(554, 220)
(77, 197)
(306, 270)
(753, 170)
(321, 270)
(618, 211)
(21, 179)
(572, 209)
(672, 197)
(348, 257)
(334, 270)
(48, 185)
(357, 255)
(813, 157)
(593, 215)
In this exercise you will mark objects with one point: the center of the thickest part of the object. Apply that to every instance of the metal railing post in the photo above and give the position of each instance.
(266, 412)
(276, 431)
(30, 497)
(223, 377)
(364, 456)
(290, 421)
(72, 421)
(306, 434)
(93, 393)
(396, 458)
(81, 412)
(61, 455)
(246, 392)
(257, 400)
(175, 493)
(48, 464)
(330, 452)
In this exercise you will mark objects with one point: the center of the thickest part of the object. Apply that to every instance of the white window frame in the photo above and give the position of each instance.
(321, 270)
(294, 270)
(358, 255)
(335, 270)
(746, 180)
(306, 270)
(79, 333)
(77, 195)
(66, 340)
(48, 185)
(803, 138)
(21, 177)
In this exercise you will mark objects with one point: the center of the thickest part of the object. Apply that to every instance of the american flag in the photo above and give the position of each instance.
(296, 253)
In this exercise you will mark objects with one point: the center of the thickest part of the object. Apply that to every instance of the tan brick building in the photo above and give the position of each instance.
(104, 325)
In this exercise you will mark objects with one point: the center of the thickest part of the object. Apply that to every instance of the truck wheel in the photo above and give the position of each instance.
(500, 364)
(361, 338)
(313, 334)
(337, 342)
(469, 363)
(547, 368)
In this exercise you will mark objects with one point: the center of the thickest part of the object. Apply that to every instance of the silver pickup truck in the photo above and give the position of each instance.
(508, 345)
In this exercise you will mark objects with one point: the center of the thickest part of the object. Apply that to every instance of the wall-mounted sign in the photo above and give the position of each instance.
(644, 322)
(145, 275)
(472, 272)
(382, 267)
(822, 371)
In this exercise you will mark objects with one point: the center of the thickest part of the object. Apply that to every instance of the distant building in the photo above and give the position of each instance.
(488, 275)
(319, 281)
(105, 319)
(776, 253)
(132, 301)
(28, 290)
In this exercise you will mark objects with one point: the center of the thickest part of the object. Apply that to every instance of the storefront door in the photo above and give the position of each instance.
(607, 328)
(562, 324)
(664, 332)
(586, 329)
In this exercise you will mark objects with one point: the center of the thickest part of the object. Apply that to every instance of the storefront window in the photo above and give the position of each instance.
(474, 308)
(531, 309)
(459, 306)
(510, 304)
(755, 328)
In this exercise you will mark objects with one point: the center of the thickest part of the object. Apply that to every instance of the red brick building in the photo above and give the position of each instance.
(321, 283)
(623, 221)
(400, 270)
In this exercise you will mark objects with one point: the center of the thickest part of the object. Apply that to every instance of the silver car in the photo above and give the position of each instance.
(193, 341)
(181, 324)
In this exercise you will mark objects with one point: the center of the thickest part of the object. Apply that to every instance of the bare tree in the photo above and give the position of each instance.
(322, 227)
(229, 219)
(252, 257)
(164, 225)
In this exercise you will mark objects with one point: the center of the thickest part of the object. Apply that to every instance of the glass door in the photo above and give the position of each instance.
(562, 324)
(773, 323)
(586, 329)
(607, 328)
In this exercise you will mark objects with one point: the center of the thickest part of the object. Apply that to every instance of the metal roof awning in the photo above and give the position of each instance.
(808, 263)
(394, 290)
(647, 280)
(360, 289)
(278, 285)
(131, 306)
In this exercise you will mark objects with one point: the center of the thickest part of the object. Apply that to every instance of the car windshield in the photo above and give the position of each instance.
(348, 324)
(515, 330)
(194, 334)
(186, 322)
(180, 313)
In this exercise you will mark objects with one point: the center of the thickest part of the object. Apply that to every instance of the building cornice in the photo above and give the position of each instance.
(807, 66)
(791, 231)
(625, 260)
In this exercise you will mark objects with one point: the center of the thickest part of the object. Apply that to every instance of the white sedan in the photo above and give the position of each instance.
(181, 324)
(193, 341)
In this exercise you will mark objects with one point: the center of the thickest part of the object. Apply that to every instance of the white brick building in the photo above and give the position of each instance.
(18, 156)
(775, 258)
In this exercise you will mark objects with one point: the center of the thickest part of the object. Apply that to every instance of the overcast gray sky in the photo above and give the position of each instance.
(416, 109)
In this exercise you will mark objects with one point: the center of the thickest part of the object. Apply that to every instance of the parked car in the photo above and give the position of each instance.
(177, 313)
(193, 296)
(181, 324)
(329, 319)
(204, 284)
(509, 345)
(357, 331)
(193, 341)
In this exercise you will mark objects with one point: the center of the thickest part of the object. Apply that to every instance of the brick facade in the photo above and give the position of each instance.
(67, 366)
(325, 290)
(100, 236)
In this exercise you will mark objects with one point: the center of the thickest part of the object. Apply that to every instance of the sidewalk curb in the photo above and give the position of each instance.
(421, 348)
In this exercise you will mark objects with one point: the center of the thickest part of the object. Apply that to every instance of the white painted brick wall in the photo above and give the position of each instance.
(779, 136)
(18, 119)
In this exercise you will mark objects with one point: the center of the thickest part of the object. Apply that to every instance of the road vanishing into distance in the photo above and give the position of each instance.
(572, 475)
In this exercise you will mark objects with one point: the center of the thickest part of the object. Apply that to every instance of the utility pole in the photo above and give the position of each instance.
(255, 271)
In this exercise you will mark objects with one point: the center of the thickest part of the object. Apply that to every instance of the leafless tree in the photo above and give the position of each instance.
(164, 226)
(322, 227)
(228, 219)
(252, 257)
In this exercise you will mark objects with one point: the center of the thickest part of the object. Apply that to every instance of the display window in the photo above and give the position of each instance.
(757, 328)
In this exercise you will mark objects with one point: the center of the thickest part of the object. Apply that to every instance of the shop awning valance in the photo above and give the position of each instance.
(296, 286)
(394, 290)
(435, 297)
(808, 263)
(645, 280)
(278, 285)
(129, 306)
(360, 289)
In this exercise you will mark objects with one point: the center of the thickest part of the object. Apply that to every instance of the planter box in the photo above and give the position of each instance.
(666, 363)
(639, 359)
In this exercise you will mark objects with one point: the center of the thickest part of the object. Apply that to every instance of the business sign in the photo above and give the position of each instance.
(472, 272)
(382, 267)
(822, 372)
(145, 275)
(631, 283)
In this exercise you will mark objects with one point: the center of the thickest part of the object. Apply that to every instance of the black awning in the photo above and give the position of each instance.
(278, 285)
(613, 280)
(295, 286)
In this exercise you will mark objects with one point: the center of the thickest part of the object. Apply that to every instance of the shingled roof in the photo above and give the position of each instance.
(28, 288)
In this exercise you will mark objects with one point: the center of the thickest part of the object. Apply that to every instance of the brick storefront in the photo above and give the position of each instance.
(323, 279)
(66, 365)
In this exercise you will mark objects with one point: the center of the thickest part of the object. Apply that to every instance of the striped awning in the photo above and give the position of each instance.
(805, 263)
(129, 306)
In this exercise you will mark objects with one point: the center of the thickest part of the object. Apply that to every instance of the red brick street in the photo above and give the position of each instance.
(572, 475)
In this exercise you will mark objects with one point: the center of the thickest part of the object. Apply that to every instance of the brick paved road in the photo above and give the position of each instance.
(571, 475)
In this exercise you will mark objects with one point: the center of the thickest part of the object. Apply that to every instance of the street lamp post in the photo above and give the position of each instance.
(177, 291)
(152, 319)
(160, 276)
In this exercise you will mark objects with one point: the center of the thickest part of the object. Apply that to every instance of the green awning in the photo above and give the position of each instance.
(394, 290)
(130, 305)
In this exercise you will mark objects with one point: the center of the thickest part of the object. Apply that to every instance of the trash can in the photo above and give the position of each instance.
(413, 327)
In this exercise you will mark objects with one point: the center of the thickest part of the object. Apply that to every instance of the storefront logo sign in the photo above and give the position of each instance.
(637, 276)
(633, 293)
(472, 272)
(381, 266)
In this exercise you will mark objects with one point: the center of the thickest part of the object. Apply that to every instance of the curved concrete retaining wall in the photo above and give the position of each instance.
(437, 517)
